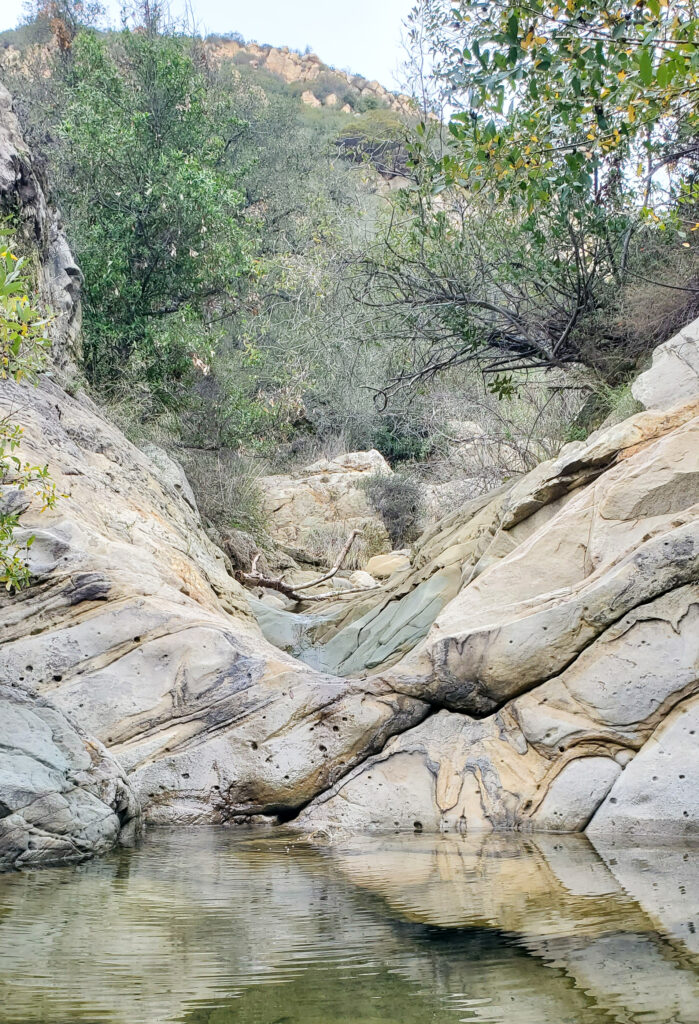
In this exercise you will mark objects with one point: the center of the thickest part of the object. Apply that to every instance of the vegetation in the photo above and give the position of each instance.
(22, 349)
(464, 289)
(398, 500)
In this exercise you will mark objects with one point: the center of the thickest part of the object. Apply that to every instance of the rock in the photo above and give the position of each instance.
(549, 758)
(59, 279)
(324, 495)
(361, 578)
(674, 373)
(135, 627)
(383, 566)
(617, 544)
(63, 798)
(310, 99)
(170, 472)
(331, 100)
(659, 791)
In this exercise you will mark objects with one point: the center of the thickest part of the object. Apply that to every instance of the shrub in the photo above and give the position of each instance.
(227, 489)
(398, 500)
(22, 348)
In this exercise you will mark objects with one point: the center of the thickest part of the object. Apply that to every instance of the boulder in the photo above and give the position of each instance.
(383, 566)
(63, 798)
(310, 99)
(325, 495)
(674, 373)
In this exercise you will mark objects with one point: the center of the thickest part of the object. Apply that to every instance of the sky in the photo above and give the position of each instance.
(363, 36)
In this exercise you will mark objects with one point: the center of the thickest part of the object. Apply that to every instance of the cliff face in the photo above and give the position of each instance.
(535, 669)
(23, 197)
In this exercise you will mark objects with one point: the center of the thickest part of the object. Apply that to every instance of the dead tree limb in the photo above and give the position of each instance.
(256, 579)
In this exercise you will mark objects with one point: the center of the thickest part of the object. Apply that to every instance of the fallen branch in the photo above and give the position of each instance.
(256, 579)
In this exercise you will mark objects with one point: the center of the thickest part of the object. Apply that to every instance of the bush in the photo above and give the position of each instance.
(22, 349)
(398, 500)
(226, 486)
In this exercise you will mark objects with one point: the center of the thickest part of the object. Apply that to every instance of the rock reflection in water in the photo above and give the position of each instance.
(211, 927)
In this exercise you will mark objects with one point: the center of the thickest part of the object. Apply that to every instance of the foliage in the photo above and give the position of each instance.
(63, 18)
(152, 202)
(567, 175)
(22, 347)
(227, 489)
(398, 500)
(564, 99)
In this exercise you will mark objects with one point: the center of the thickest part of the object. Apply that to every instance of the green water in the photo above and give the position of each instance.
(213, 926)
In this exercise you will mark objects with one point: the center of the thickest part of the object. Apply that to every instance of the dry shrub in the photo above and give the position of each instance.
(325, 543)
(398, 499)
(227, 489)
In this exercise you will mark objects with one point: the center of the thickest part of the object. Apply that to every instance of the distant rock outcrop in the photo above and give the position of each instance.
(293, 67)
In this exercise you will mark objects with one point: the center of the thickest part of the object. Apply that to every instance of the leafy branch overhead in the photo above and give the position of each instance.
(554, 94)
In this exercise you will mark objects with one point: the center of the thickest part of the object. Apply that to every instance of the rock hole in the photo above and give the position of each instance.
(336, 728)
(57, 678)
(185, 775)
(253, 745)
(321, 747)
(417, 825)
(29, 668)
(137, 639)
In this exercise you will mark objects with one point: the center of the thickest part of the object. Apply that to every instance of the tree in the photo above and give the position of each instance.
(153, 203)
(571, 146)
(64, 18)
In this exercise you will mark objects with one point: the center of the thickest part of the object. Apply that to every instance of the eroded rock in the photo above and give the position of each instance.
(63, 797)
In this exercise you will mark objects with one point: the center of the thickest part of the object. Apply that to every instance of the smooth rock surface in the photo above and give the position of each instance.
(63, 798)
(674, 374)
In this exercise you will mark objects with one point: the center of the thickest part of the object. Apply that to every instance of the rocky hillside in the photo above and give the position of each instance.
(323, 85)
(534, 668)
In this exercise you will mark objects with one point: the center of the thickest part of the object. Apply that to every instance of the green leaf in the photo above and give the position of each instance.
(645, 67)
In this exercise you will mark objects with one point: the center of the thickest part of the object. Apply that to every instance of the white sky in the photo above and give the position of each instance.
(360, 35)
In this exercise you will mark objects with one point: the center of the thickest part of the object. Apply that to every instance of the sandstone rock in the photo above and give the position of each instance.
(171, 472)
(310, 99)
(135, 627)
(383, 566)
(659, 791)
(617, 544)
(324, 494)
(674, 374)
(547, 760)
(63, 798)
(360, 578)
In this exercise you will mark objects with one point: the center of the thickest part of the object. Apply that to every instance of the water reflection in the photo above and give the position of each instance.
(216, 927)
